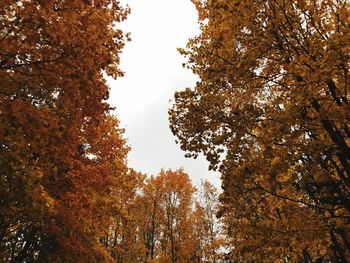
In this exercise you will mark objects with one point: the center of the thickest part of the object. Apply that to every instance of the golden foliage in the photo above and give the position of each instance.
(62, 155)
(271, 113)
(163, 221)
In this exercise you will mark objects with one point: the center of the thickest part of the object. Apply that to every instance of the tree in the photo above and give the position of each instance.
(158, 223)
(62, 154)
(177, 197)
(152, 216)
(124, 239)
(271, 113)
(207, 227)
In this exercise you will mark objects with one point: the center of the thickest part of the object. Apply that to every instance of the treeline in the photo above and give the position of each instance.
(271, 113)
(165, 219)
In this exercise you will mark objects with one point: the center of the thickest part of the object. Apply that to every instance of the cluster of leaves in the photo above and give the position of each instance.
(62, 155)
(271, 113)
(163, 221)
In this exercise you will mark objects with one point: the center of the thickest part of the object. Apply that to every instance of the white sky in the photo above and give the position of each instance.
(153, 72)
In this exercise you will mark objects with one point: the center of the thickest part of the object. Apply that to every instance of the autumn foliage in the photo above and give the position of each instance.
(165, 221)
(62, 155)
(271, 113)
(66, 192)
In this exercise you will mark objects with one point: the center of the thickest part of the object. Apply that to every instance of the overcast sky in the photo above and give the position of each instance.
(153, 72)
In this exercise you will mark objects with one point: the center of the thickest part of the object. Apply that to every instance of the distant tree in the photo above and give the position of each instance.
(153, 216)
(271, 112)
(62, 155)
(176, 201)
(124, 238)
(161, 221)
(207, 231)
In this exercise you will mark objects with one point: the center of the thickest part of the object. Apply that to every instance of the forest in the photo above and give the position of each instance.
(270, 112)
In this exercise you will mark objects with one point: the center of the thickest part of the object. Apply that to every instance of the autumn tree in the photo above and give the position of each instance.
(207, 231)
(62, 154)
(163, 219)
(124, 239)
(163, 215)
(271, 113)
(176, 201)
(153, 216)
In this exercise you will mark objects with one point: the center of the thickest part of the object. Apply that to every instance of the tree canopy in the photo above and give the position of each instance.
(167, 220)
(271, 113)
(62, 155)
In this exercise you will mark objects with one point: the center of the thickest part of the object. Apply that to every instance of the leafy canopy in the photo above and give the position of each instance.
(271, 113)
